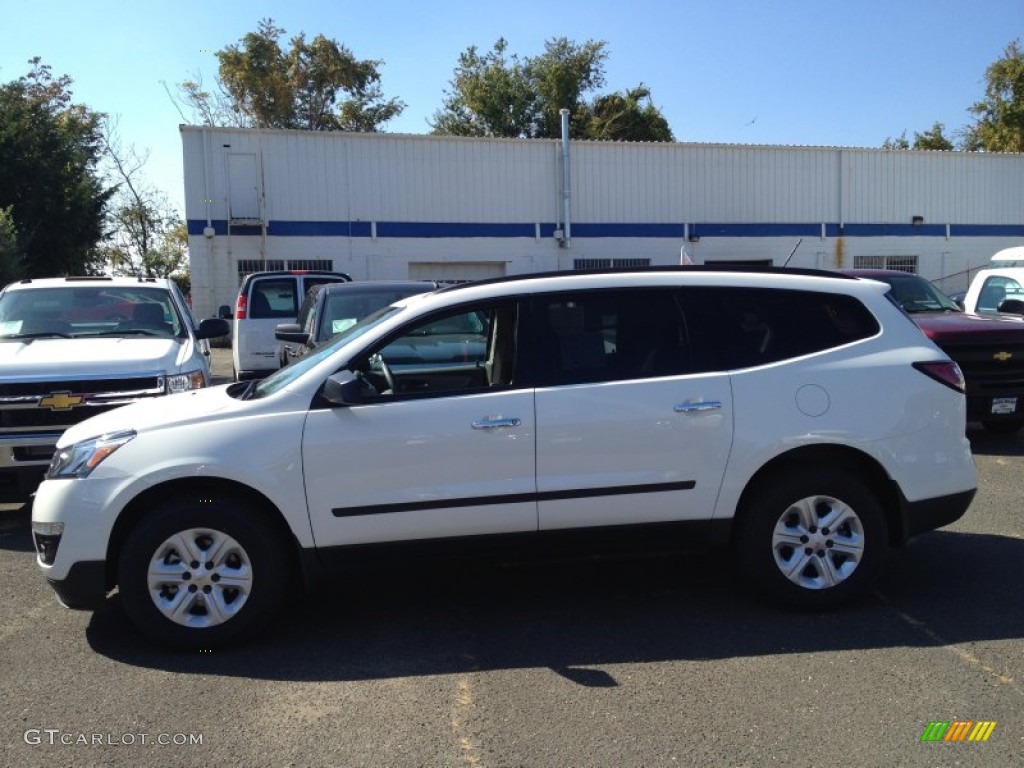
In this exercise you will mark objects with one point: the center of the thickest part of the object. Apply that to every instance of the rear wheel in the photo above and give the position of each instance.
(812, 538)
(199, 573)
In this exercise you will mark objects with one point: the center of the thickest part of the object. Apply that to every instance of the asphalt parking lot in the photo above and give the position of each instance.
(642, 661)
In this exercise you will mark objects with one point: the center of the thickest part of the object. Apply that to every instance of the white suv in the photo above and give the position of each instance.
(801, 418)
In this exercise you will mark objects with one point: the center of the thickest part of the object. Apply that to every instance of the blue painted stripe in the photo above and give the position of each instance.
(583, 229)
(455, 230)
(319, 228)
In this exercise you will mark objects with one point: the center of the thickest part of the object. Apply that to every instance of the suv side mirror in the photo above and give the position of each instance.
(213, 328)
(224, 312)
(291, 332)
(343, 388)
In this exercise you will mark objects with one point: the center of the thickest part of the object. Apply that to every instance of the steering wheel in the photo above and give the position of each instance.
(377, 361)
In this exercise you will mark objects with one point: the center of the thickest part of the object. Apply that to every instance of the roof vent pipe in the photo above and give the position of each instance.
(566, 191)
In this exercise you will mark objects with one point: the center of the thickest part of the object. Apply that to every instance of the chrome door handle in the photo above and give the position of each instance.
(703, 405)
(496, 423)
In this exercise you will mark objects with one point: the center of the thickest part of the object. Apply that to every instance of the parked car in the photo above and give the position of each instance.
(988, 348)
(73, 347)
(996, 289)
(330, 308)
(798, 416)
(264, 300)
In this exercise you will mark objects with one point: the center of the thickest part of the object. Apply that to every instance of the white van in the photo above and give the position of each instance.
(265, 300)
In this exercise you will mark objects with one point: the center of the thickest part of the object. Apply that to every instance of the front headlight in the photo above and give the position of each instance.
(80, 459)
(183, 382)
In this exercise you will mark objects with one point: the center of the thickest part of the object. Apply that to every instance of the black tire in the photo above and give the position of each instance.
(225, 600)
(779, 533)
(1003, 426)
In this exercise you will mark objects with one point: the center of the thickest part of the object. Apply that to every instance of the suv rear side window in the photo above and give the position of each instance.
(744, 327)
(587, 337)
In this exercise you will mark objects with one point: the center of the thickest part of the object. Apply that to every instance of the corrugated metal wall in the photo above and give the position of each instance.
(374, 205)
(316, 176)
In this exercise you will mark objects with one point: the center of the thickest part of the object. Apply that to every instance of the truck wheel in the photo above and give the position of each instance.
(201, 573)
(812, 538)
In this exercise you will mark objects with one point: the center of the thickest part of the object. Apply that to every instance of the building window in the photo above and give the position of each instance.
(248, 266)
(320, 265)
(584, 264)
(899, 263)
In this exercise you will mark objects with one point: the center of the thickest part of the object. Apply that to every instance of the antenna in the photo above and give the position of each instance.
(786, 263)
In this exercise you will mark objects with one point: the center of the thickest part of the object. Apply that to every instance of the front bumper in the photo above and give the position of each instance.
(85, 586)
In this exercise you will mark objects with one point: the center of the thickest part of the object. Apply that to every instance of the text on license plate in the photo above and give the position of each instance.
(1002, 405)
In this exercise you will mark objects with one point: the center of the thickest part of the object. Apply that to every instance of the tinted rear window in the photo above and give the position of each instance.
(743, 327)
(273, 297)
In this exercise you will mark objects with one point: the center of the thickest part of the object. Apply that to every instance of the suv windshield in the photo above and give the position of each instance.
(75, 311)
(915, 294)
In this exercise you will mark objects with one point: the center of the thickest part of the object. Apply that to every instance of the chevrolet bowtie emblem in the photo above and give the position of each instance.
(60, 401)
(1002, 357)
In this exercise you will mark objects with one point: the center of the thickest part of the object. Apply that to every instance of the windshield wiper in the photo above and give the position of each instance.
(127, 332)
(38, 335)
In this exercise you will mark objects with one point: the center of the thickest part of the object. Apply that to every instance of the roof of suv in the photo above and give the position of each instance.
(304, 272)
(614, 276)
(51, 282)
(367, 286)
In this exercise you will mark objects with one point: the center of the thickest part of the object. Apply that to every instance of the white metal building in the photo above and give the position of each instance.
(401, 206)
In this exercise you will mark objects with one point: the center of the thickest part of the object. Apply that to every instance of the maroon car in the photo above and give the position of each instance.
(988, 348)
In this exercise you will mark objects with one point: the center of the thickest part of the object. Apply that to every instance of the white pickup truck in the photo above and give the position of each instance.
(71, 348)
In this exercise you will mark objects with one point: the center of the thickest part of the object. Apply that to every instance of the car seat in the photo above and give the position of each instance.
(150, 316)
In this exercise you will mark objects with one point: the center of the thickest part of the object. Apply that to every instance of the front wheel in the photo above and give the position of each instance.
(201, 573)
(812, 538)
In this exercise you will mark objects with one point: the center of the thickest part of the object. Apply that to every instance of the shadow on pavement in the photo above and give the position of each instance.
(16, 527)
(570, 616)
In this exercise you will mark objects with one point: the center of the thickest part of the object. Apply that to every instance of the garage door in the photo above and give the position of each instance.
(455, 271)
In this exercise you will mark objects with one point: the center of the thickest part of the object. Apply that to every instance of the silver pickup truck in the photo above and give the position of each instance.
(71, 348)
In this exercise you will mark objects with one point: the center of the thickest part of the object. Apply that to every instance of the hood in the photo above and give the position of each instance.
(185, 407)
(116, 356)
(965, 327)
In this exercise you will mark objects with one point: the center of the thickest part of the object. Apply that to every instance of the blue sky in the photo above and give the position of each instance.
(796, 72)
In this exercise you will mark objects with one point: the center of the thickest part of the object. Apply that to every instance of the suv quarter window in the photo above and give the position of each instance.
(745, 327)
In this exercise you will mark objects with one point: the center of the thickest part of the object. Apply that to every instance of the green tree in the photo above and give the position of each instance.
(11, 267)
(498, 94)
(314, 85)
(146, 235)
(491, 96)
(561, 76)
(49, 185)
(900, 142)
(933, 138)
(1000, 115)
(623, 117)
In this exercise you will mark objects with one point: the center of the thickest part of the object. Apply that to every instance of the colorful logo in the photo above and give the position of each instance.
(958, 730)
(1002, 357)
